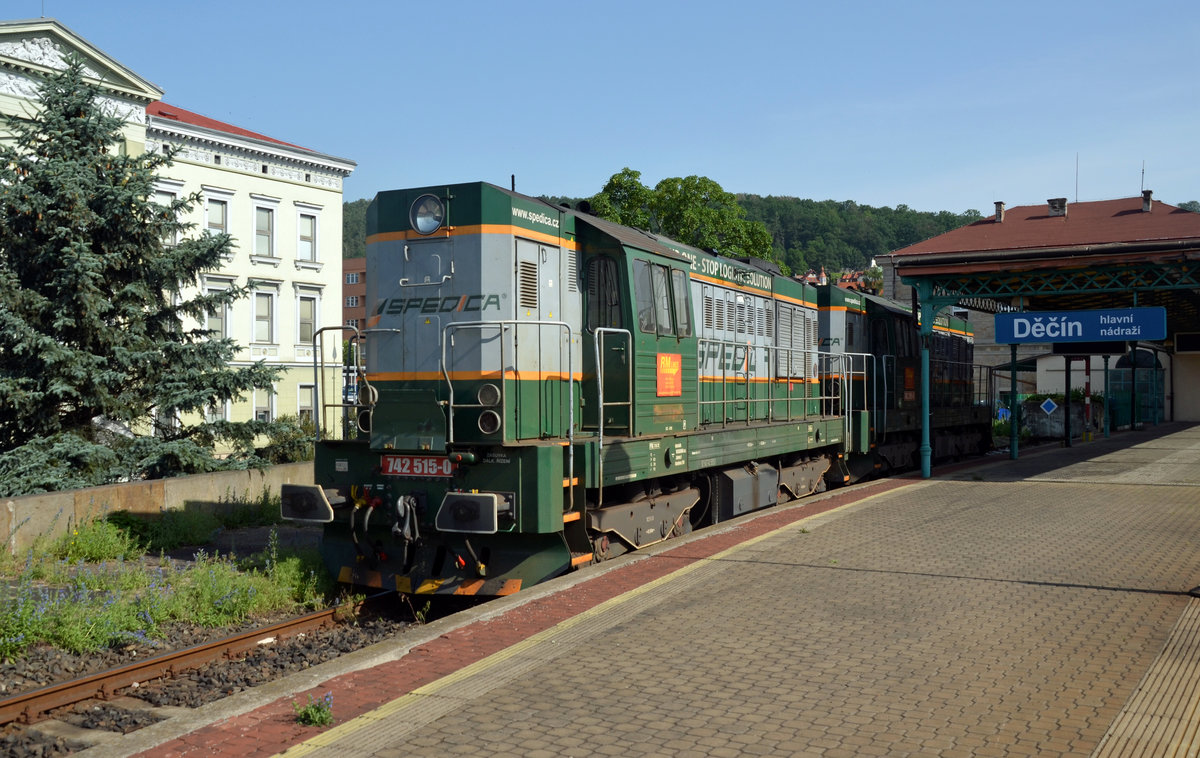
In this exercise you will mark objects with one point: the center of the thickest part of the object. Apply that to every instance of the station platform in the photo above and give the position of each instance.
(1038, 607)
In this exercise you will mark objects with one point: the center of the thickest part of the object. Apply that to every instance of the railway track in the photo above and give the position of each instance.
(31, 721)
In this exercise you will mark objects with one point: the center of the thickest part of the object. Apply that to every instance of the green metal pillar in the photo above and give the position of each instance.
(925, 293)
(1013, 407)
(1067, 404)
(1108, 403)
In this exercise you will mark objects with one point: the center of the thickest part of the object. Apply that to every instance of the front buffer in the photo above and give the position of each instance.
(462, 524)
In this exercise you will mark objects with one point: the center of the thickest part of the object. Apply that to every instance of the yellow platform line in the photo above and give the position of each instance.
(1162, 717)
(476, 670)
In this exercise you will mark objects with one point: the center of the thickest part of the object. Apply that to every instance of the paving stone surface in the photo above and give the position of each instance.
(1010, 609)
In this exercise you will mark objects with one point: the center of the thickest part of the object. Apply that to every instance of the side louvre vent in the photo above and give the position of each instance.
(527, 285)
(572, 272)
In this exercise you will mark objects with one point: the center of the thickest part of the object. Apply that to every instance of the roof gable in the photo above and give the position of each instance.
(32, 49)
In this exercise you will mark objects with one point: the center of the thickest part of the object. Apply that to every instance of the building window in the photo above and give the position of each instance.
(215, 413)
(352, 301)
(352, 278)
(305, 395)
(165, 199)
(217, 322)
(218, 217)
(352, 322)
(307, 325)
(264, 405)
(264, 232)
(306, 247)
(264, 317)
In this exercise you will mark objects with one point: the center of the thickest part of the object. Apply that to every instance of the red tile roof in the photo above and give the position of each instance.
(1030, 227)
(174, 113)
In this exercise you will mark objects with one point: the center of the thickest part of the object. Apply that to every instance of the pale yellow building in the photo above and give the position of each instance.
(281, 203)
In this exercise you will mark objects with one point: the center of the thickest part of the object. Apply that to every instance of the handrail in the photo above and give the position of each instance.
(502, 326)
(600, 332)
(318, 340)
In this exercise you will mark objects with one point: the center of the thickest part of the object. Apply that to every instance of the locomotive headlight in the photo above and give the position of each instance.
(488, 394)
(489, 422)
(427, 214)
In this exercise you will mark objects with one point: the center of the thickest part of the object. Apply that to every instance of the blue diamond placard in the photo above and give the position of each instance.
(1049, 406)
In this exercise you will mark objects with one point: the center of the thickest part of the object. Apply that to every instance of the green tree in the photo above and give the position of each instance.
(693, 210)
(1191, 205)
(354, 229)
(624, 200)
(98, 370)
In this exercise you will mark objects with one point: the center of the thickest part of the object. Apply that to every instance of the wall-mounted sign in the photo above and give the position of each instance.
(1082, 326)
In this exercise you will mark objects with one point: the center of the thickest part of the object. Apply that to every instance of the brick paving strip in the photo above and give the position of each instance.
(270, 729)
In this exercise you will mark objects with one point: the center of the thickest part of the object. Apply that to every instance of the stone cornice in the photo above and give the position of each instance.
(168, 130)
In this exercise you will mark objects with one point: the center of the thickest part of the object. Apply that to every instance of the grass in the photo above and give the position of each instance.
(94, 587)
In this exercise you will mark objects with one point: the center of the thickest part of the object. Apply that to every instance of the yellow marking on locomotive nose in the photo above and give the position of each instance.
(570, 516)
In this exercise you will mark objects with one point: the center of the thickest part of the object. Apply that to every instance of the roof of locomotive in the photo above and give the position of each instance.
(643, 240)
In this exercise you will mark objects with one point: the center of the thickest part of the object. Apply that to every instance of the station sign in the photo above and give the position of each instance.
(1108, 325)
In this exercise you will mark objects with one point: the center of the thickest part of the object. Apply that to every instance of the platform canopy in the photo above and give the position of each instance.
(1132, 252)
(1126, 253)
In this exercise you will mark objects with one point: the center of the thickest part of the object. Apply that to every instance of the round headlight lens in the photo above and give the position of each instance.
(488, 394)
(489, 422)
(427, 214)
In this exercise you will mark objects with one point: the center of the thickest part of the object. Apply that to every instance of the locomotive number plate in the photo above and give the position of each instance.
(417, 465)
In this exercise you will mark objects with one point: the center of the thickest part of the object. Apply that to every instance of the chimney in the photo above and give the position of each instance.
(1147, 203)
(1058, 206)
(999, 211)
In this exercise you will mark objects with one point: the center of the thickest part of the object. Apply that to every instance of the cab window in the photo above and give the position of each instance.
(683, 313)
(604, 298)
(661, 297)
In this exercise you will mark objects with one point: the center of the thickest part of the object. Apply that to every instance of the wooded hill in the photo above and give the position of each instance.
(840, 236)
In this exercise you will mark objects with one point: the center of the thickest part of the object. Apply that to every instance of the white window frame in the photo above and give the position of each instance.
(271, 205)
(219, 413)
(352, 277)
(314, 293)
(309, 209)
(269, 405)
(309, 391)
(221, 195)
(172, 187)
(216, 284)
(351, 301)
(263, 288)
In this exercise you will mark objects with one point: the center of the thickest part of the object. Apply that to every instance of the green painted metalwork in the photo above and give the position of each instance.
(1170, 275)
(928, 310)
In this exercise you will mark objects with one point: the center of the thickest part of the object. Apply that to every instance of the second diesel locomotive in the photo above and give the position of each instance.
(544, 389)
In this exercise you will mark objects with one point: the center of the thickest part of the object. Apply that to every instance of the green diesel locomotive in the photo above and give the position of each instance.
(542, 389)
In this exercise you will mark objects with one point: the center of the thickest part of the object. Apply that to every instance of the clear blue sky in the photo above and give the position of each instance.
(935, 105)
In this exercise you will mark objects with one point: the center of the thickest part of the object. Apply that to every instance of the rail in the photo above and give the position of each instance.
(29, 707)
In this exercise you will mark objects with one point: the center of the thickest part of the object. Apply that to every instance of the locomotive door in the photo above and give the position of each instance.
(540, 360)
(605, 321)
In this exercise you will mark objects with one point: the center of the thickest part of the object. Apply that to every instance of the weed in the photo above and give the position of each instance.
(347, 608)
(316, 712)
(420, 615)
